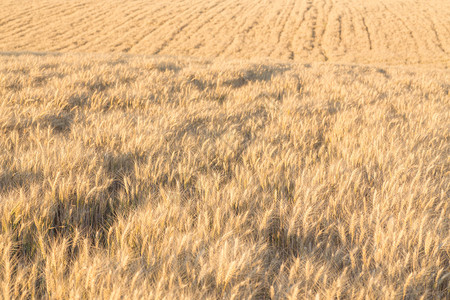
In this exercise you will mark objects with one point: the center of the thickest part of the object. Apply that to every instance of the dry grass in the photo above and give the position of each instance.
(141, 177)
(351, 31)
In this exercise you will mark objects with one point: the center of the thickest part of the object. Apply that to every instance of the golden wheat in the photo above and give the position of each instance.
(143, 177)
(351, 31)
(225, 158)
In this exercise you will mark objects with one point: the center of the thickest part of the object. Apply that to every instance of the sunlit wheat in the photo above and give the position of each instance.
(149, 177)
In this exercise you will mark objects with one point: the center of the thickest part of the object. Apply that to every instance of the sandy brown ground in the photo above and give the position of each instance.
(385, 31)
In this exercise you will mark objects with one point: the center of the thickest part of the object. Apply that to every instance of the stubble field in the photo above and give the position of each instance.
(239, 149)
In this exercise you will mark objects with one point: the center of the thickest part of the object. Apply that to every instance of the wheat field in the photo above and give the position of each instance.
(224, 149)
(351, 31)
